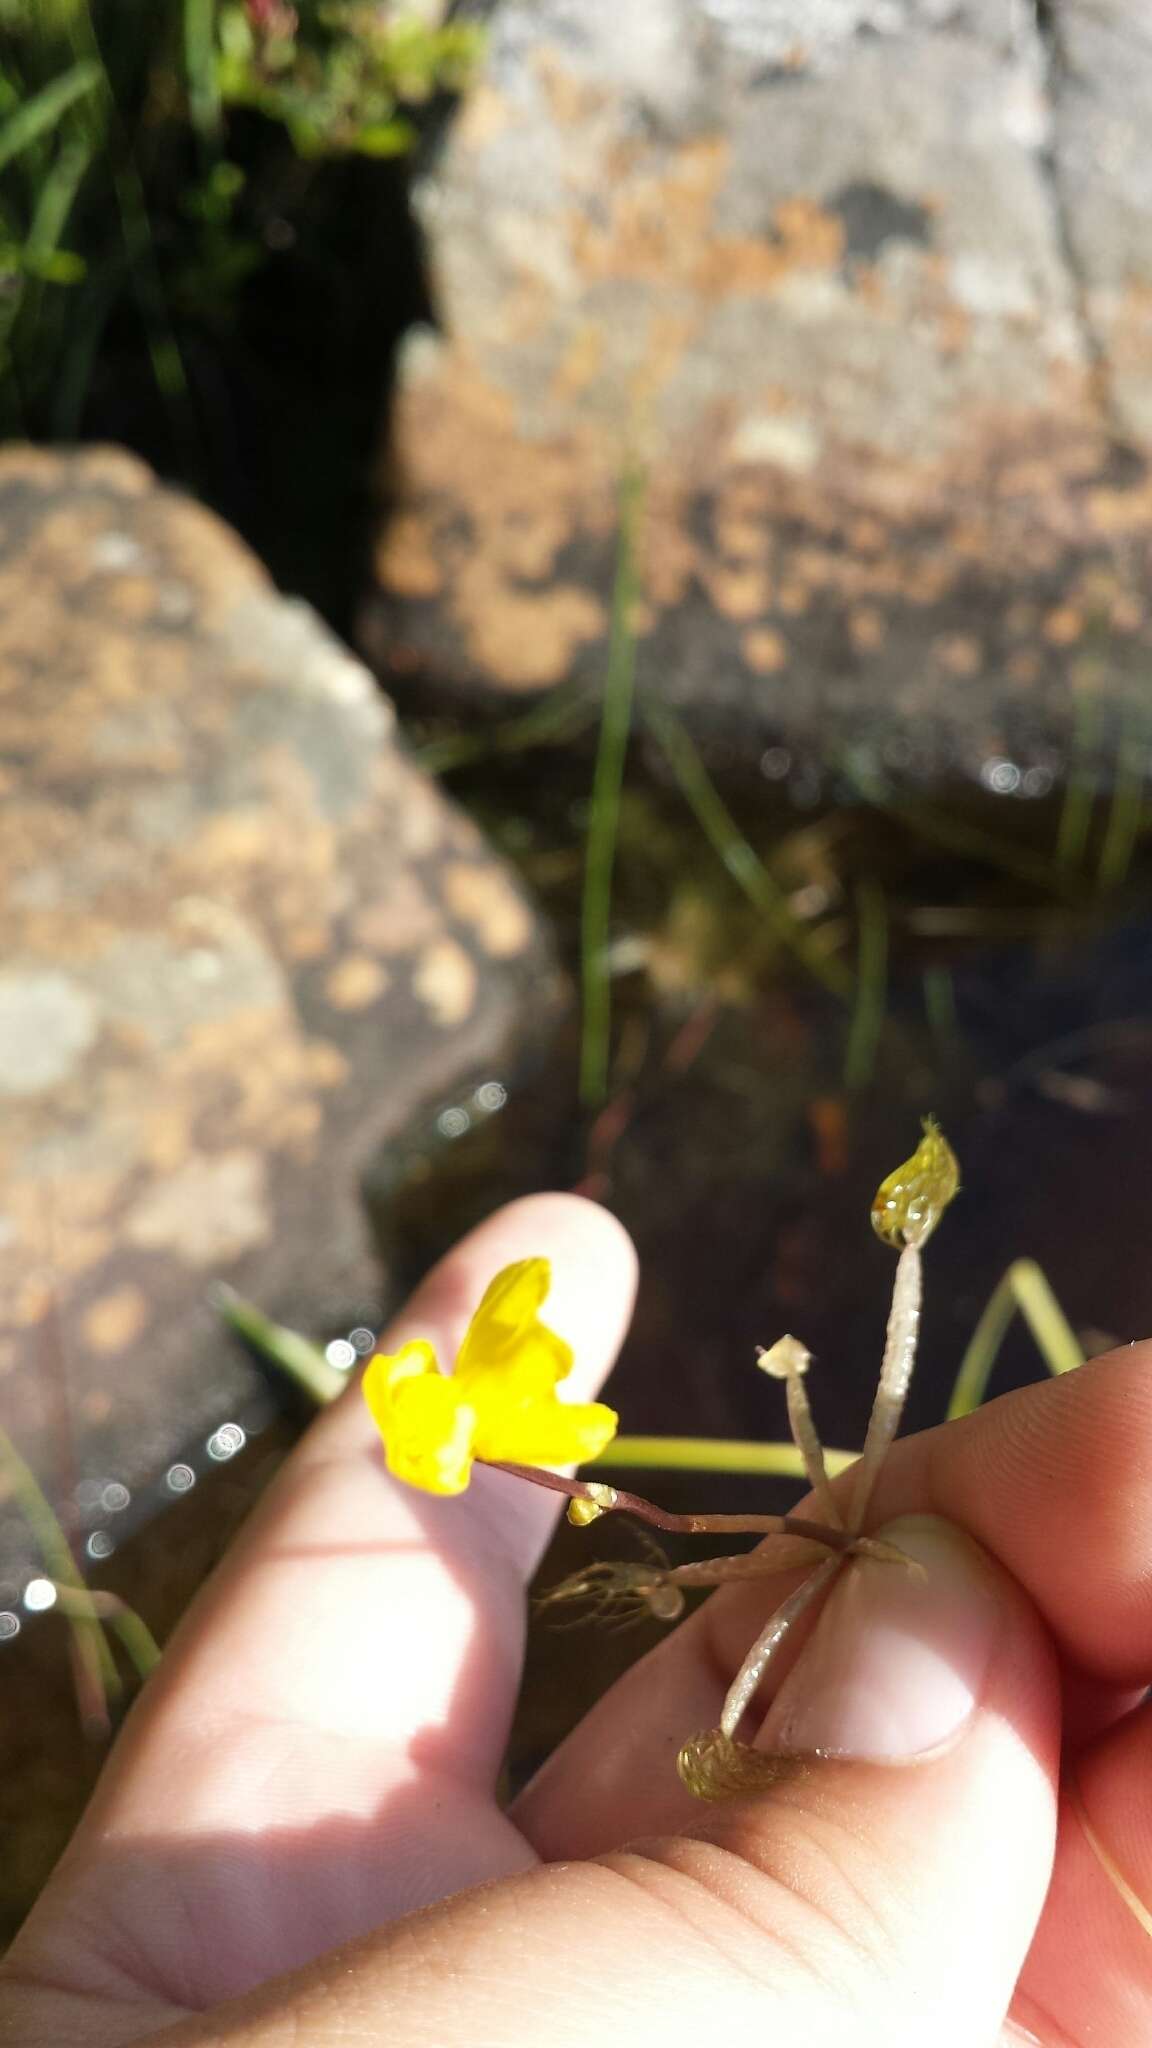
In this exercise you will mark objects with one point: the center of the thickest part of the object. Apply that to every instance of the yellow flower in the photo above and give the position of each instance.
(500, 1402)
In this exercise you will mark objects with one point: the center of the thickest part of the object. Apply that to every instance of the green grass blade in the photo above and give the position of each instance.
(109, 1610)
(940, 1007)
(1125, 815)
(741, 860)
(200, 67)
(1052, 1333)
(562, 716)
(604, 817)
(871, 984)
(96, 1667)
(39, 115)
(1022, 1289)
(55, 201)
(1080, 790)
(713, 1454)
(286, 1350)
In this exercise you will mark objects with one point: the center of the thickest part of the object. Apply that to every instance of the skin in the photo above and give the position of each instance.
(297, 1840)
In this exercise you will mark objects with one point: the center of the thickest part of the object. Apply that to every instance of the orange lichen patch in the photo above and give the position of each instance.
(307, 941)
(201, 551)
(484, 114)
(130, 599)
(659, 227)
(109, 468)
(356, 982)
(765, 650)
(115, 1320)
(1063, 626)
(528, 638)
(413, 567)
(210, 1211)
(582, 361)
(572, 100)
(446, 982)
(495, 510)
(29, 1301)
(866, 536)
(167, 1136)
(866, 629)
(959, 653)
(792, 597)
(482, 896)
(1024, 667)
(403, 918)
(325, 1064)
(738, 593)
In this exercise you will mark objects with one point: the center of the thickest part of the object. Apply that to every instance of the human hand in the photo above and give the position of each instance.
(316, 1759)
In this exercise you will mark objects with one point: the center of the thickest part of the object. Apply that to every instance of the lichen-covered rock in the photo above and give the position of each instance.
(244, 943)
(864, 287)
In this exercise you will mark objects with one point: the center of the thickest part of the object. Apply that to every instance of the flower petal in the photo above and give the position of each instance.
(505, 1330)
(429, 1437)
(545, 1433)
(388, 1370)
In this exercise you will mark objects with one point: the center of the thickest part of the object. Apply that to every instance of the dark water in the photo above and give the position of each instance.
(745, 1125)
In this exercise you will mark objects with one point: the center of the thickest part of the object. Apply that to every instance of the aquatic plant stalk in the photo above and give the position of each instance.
(139, 1643)
(714, 1454)
(739, 857)
(291, 1354)
(97, 1676)
(604, 816)
(755, 1666)
(871, 984)
(895, 1377)
(1025, 1290)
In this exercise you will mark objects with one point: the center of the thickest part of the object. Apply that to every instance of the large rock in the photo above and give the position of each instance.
(864, 286)
(244, 944)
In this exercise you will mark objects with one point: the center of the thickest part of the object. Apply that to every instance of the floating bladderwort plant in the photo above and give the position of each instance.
(500, 1407)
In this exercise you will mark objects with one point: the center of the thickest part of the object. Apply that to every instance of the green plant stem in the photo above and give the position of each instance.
(1024, 1289)
(139, 1642)
(741, 860)
(604, 817)
(561, 716)
(713, 1454)
(200, 67)
(940, 1006)
(1125, 815)
(1080, 789)
(97, 1671)
(140, 254)
(290, 1353)
(871, 984)
(40, 114)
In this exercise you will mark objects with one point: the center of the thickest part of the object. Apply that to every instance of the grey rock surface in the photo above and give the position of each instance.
(244, 946)
(862, 285)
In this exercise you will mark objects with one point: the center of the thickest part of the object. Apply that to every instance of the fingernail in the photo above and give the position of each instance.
(897, 1661)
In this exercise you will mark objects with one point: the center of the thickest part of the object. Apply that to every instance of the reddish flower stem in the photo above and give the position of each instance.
(624, 1503)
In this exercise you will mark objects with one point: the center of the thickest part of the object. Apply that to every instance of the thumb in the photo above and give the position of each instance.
(905, 1849)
